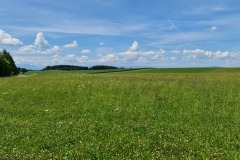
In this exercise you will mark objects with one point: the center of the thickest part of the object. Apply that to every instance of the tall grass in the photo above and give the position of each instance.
(110, 116)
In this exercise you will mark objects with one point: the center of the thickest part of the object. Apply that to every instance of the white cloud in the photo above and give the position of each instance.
(28, 49)
(157, 54)
(109, 58)
(41, 61)
(54, 50)
(150, 55)
(7, 39)
(40, 41)
(74, 44)
(198, 53)
(134, 54)
(40, 46)
(159, 58)
(73, 59)
(71, 56)
(213, 28)
(220, 54)
(84, 51)
(134, 47)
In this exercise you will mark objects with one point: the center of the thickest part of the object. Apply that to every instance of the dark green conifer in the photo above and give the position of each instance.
(7, 65)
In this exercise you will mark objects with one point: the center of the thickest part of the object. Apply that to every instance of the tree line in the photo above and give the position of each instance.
(65, 67)
(72, 67)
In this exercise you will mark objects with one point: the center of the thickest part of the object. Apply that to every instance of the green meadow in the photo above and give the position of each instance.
(189, 113)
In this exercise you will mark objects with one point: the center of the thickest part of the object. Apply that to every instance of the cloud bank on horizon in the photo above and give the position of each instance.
(150, 34)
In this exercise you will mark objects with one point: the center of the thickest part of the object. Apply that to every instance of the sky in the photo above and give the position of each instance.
(122, 33)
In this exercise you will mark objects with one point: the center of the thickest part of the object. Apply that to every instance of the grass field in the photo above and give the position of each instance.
(144, 70)
(137, 115)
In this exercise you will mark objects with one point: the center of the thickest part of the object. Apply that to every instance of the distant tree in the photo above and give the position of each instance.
(102, 67)
(22, 70)
(7, 64)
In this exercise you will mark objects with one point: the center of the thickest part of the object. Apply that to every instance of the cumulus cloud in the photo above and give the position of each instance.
(28, 49)
(74, 59)
(84, 51)
(74, 44)
(53, 50)
(109, 58)
(149, 55)
(134, 47)
(40, 41)
(213, 28)
(220, 54)
(198, 53)
(134, 54)
(40, 46)
(7, 39)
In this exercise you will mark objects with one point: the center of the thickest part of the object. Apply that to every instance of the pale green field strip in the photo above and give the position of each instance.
(146, 70)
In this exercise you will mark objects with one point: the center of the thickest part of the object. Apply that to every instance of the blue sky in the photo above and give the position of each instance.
(123, 33)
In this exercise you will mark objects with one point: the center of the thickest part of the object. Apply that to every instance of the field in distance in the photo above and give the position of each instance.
(143, 70)
(139, 115)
